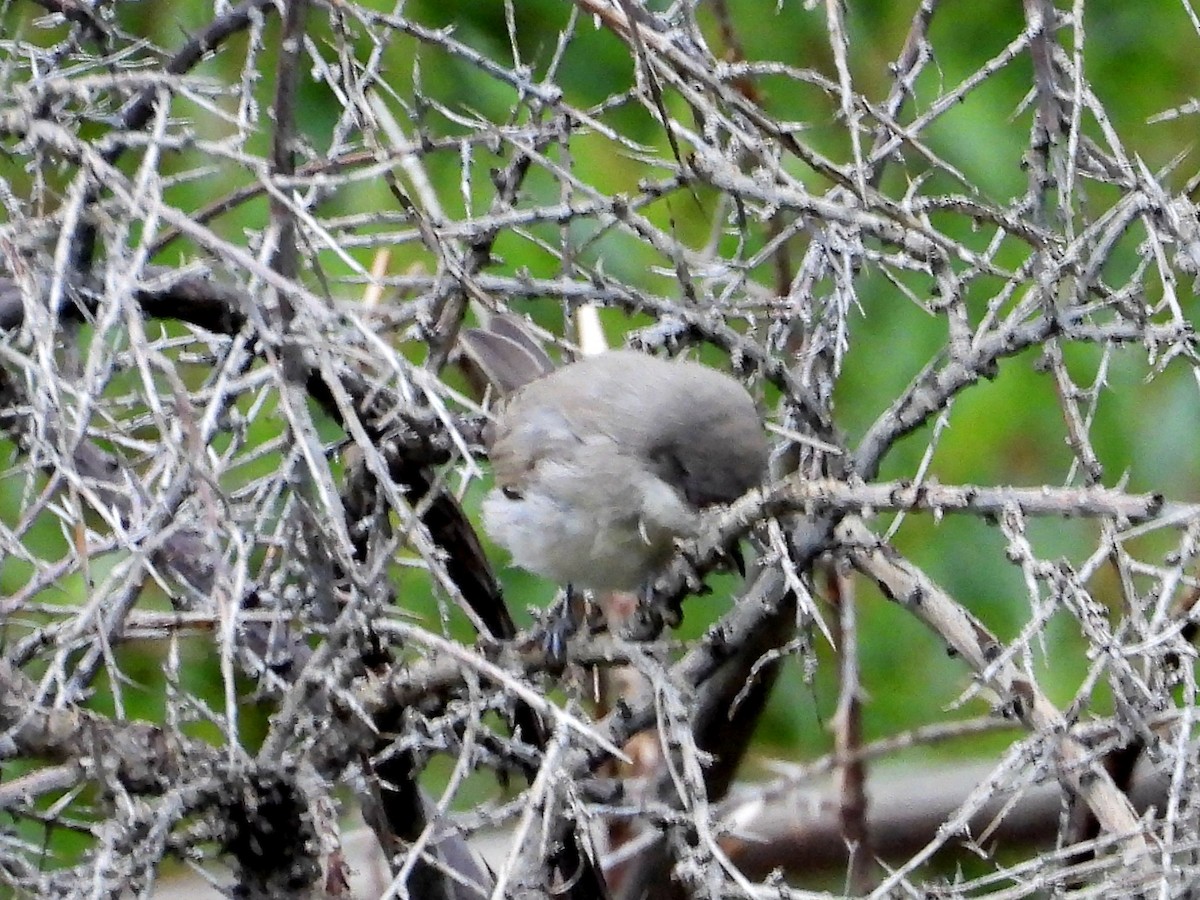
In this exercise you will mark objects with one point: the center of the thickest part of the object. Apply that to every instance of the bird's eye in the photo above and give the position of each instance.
(511, 493)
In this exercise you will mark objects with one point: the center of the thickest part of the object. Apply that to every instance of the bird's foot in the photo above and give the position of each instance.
(561, 622)
(693, 579)
(653, 612)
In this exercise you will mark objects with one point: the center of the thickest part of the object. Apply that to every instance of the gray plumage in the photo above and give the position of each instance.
(600, 465)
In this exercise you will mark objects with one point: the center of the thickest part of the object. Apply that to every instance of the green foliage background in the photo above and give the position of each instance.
(1140, 59)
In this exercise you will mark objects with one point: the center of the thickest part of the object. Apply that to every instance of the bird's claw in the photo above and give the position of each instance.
(692, 577)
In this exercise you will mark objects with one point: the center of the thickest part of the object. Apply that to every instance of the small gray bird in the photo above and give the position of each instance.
(602, 464)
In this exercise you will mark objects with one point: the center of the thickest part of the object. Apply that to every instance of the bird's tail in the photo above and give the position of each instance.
(506, 353)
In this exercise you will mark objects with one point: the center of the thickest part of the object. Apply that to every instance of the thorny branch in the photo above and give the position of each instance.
(234, 262)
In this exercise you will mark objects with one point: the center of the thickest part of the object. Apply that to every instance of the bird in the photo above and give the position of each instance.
(602, 465)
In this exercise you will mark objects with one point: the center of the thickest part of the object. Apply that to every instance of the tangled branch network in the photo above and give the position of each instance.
(250, 632)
